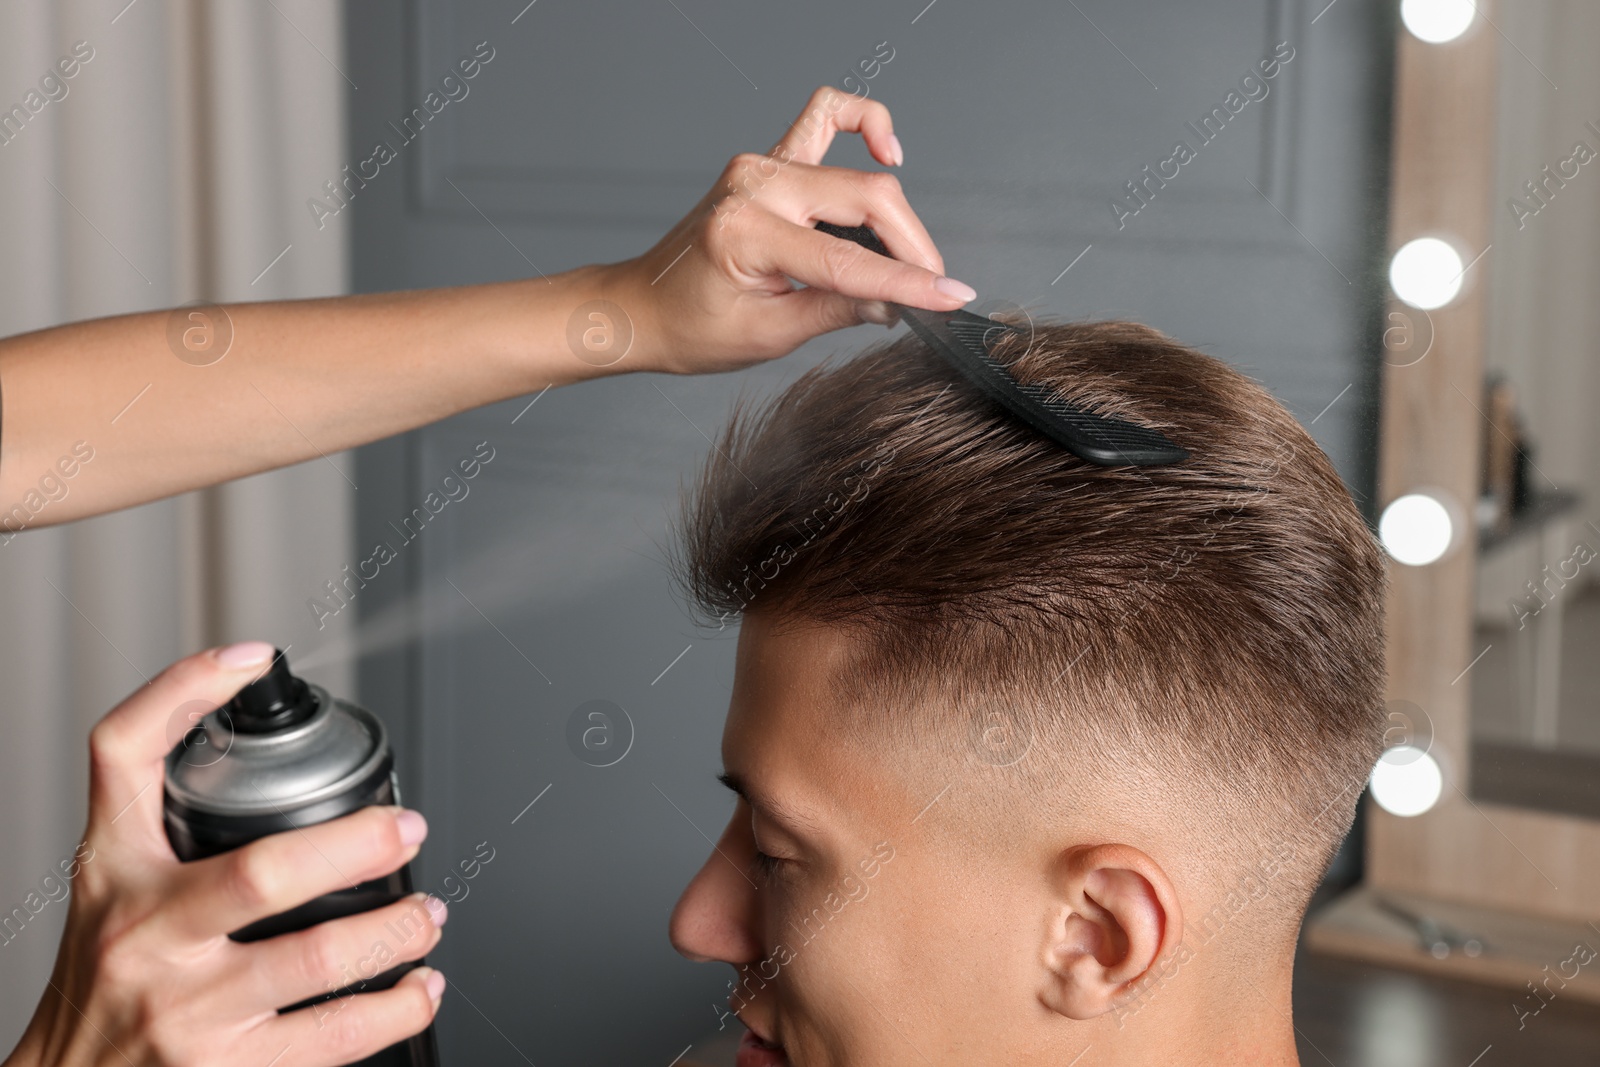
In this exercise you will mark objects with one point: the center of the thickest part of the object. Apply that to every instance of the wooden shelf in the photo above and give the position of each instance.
(1517, 948)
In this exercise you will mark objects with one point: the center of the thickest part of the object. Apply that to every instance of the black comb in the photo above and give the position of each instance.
(962, 340)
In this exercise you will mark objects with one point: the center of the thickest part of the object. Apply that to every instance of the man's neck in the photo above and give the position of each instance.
(1246, 1022)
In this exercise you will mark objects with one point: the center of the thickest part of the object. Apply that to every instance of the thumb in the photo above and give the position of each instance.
(814, 311)
(128, 747)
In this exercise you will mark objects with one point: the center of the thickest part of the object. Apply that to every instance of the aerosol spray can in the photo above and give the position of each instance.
(283, 754)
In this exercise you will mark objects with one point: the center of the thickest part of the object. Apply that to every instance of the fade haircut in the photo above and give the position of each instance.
(1221, 618)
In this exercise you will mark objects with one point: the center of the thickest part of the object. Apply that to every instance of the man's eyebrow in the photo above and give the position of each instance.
(778, 811)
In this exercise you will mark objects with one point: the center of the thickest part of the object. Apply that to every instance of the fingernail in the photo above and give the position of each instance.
(245, 654)
(960, 290)
(413, 827)
(435, 985)
(875, 311)
(438, 910)
(896, 152)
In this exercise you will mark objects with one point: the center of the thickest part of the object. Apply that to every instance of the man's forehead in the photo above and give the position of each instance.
(778, 708)
(784, 677)
(781, 743)
(769, 639)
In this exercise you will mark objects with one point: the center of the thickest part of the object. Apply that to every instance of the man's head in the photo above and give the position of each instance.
(1049, 753)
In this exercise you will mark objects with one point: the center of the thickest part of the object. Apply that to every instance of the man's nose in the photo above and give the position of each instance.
(717, 917)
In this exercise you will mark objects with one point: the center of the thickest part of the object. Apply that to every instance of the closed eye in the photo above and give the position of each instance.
(766, 866)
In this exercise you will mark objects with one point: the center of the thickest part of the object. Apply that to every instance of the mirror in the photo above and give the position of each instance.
(1535, 684)
(1487, 344)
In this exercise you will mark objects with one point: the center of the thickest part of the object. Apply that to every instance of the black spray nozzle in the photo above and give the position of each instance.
(275, 701)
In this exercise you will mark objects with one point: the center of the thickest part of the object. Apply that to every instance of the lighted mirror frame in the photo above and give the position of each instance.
(1529, 866)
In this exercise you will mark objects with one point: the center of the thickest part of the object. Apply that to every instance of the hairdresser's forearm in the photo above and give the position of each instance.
(301, 379)
(309, 378)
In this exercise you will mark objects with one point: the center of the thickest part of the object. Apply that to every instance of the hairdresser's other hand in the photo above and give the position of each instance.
(716, 294)
(146, 973)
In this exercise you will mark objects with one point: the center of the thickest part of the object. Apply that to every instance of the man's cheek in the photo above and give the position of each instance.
(837, 992)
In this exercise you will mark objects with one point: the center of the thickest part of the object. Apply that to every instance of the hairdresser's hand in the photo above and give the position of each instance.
(213, 384)
(146, 974)
(715, 294)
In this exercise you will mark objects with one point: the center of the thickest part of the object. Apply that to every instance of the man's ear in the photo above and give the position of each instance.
(1118, 920)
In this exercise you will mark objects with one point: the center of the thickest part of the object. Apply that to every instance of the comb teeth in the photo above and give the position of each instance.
(1096, 438)
(962, 340)
(1112, 433)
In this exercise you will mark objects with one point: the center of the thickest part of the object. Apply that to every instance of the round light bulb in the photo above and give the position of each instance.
(1415, 529)
(1437, 21)
(1426, 273)
(1406, 781)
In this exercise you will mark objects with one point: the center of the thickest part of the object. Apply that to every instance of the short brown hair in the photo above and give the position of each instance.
(1227, 609)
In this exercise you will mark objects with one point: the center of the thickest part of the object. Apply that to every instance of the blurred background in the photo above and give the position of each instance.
(225, 151)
